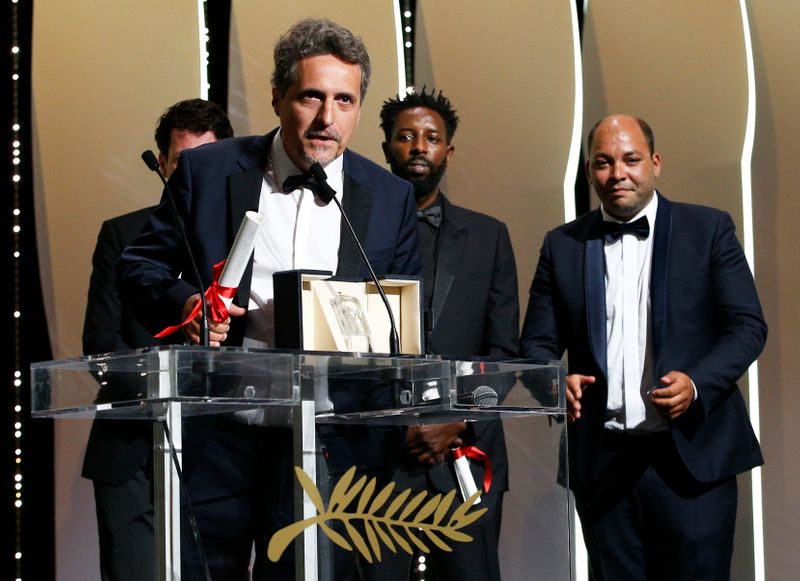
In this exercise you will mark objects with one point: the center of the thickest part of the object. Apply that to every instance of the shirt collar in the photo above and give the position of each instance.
(649, 210)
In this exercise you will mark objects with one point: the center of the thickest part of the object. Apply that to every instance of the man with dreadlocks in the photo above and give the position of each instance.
(471, 309)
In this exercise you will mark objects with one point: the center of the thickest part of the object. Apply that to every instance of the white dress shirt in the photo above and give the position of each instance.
(299, 233)
(630, 358)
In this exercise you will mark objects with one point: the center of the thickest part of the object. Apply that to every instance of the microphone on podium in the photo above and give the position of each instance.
(325, 193)
(482, 396)
(151, 162)
(430, 392)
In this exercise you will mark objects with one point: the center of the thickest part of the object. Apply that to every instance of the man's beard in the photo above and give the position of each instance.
(423, 185)
(321, 156)
(312, 158)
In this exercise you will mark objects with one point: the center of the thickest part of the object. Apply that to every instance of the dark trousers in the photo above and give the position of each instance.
(652, 521)
(475, 560)
(125, 528)
(368, 448)
(255, 465)
(241, 481)
(228, 474)
(225, 498)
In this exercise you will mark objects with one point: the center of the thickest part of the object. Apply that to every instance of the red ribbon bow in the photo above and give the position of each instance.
(217, 311)
(475, 453)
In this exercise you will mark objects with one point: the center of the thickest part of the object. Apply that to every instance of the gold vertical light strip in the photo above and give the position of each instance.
(404, 20)
(577, 120)
(399, 19)
(202, 37)
(16, 177)
(749, 251)
(581, 558)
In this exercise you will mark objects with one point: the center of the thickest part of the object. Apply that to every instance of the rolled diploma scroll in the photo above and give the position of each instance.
(239, 256)
(466, 483)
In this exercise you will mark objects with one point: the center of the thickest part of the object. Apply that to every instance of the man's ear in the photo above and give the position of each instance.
(385, 146)
(450, 151)
(162, 164)
(656, 164)
(276, 99)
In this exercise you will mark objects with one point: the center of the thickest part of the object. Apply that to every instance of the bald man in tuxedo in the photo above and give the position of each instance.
(657, 310)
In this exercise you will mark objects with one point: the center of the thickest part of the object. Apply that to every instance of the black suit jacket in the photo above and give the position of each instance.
(115, 448)
(214, 185)
(475, 307)
(706, 321)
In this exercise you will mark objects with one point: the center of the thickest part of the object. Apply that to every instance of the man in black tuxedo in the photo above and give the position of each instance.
(657, 310)
(118, 458)
(320, 79)
(471, 309)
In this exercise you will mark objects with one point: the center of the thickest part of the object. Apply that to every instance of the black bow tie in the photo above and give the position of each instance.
(614, 230)
(432, 215)
(298, 181)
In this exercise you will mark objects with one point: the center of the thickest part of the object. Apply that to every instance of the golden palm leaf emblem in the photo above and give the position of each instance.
(393, 526)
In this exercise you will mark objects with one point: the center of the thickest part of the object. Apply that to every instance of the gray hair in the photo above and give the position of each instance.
(316, 37)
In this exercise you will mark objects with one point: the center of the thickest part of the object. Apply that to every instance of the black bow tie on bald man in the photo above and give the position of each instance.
(614, 230)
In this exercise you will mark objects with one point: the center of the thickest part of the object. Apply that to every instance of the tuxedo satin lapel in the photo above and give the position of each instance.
(594, 276)
(357, 203)
(658, 272)
(244, 191)
(451, 247)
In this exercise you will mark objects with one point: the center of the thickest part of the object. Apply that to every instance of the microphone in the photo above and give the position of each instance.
(326, 194)
(483, 396)
(429, 392)
(151, 162)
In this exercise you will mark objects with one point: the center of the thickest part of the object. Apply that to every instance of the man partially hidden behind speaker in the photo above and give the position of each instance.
(320, 80)
(118, 455)
(472, 309)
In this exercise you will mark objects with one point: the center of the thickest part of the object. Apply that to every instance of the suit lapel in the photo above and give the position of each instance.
(594, 276)
(658, 272)
(450, 248)
(244, 192)
(357, 203)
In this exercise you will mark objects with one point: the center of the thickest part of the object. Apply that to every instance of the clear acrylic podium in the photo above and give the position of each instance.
(167, 384)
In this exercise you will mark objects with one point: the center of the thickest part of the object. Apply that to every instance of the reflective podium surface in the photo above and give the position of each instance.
(346, 387)
(345, 515)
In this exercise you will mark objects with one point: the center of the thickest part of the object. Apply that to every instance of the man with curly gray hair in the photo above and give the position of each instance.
(315, 37)
(321, 75)
(240, 475)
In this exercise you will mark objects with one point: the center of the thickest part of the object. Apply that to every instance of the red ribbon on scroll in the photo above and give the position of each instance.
(217, 311)
(475, 453)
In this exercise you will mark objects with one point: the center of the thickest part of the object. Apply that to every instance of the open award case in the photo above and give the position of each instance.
(318, 312)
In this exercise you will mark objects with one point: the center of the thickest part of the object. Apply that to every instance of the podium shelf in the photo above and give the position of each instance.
(344, 387)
